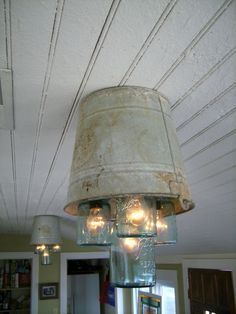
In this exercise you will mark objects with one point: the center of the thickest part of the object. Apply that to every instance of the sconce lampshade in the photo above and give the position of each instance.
(46, 236)
(46, 230)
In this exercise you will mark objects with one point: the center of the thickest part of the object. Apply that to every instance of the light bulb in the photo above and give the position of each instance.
(46, 257)
(95, 221)
(160, 224)
(130, 244)
(46, 252)
(40, 248)
(56, 248)
(135, 213)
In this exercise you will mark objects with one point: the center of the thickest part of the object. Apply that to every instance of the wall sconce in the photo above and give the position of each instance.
(46, 237)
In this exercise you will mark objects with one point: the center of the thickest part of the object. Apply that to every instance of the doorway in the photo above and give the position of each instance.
(64, 282)
(211, 291)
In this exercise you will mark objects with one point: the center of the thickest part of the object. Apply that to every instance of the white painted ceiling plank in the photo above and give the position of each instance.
(211, 135)
(3, 47)
(221, 164)
(212, 182)
(215, 87)
(81, 25)
(60, 173)
(123, 41)
(30, 44)
(185, 22)
(208, 51)
(219, 191)
(5, 159)
(82, 46)
(207, 156)
(205, 119)
(7, 205)
(7, 212)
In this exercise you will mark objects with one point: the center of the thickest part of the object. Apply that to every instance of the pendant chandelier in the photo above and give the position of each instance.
(46, 237)
(127, 182)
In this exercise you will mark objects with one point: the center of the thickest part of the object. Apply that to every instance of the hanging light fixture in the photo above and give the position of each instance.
(46, 237)
(165, 223)
(127, 170)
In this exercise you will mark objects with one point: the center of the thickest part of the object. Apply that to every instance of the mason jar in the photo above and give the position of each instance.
(132, 262)
(135, 216)
(93, 224)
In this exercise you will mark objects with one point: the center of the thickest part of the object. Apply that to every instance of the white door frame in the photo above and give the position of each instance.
(63, 272)
(34, 274)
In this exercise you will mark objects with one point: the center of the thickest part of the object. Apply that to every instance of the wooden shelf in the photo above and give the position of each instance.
(15, 310)
(15, 290)
(10, 289)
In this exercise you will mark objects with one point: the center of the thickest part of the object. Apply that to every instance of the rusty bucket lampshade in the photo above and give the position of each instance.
(126, 162)
(46, 237)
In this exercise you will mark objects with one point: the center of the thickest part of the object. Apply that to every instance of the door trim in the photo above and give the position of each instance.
(63, 272)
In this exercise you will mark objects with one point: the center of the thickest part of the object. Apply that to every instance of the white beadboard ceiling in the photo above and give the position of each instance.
(61, 50)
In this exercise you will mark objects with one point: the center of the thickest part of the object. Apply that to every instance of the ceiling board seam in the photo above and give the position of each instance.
(5, 207)
(207, 106)
(227, 192)
(214, 186)
(155, 30)
(229, 113)
(211, 144)
(99, 43)
(210, 162)
(62, 205)
(193, 42)
(7, 33)
(8, 39)
(102, 36)
(204, 78)
(13, 158)
(213, 175)
(56, 192)
(225, 183)
(48, 71)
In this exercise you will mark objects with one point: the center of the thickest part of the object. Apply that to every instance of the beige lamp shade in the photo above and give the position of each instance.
(126, 144)
(46, 230)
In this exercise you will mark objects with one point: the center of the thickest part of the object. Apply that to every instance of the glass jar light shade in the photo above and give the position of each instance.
(93, 224)
(165, 223)
(46, 258)
(132, 263)
(135, 216)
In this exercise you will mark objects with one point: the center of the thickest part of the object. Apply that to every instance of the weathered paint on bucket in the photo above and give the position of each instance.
(126, 143)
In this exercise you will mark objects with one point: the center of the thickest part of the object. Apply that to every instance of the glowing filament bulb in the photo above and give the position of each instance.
(40, 248)
(46, 252)
(160, 224)
(95, 221)
(135, 213)
(56, 248)
(130, 244)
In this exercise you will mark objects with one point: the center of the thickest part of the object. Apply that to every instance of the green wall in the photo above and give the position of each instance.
(49, 273)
